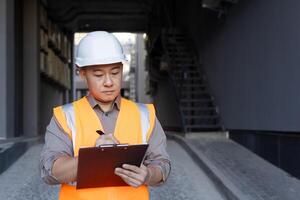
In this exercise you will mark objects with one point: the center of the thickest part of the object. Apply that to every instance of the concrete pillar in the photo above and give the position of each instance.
(31, 73)
(3, 67)
(141, 72)
(7, 69)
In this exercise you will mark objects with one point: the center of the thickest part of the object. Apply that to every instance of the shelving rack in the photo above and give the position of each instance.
(55, 52)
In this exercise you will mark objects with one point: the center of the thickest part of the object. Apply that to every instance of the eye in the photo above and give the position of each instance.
(98, 75)
(115, 73)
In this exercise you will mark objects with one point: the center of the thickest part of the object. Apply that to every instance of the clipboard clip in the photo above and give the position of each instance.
(114, 145)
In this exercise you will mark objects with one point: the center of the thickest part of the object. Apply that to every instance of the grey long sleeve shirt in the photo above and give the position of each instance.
(58, 143)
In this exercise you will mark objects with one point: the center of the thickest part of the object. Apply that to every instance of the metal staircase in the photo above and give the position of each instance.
(196, 104)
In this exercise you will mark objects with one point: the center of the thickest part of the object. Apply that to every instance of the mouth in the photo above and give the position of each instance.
(108, 92)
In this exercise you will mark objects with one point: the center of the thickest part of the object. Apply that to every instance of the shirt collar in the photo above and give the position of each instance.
(94, 102)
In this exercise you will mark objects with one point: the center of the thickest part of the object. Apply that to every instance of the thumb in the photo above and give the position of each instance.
(114, 139)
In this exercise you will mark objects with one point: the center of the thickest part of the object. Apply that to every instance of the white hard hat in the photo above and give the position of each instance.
(99, 48)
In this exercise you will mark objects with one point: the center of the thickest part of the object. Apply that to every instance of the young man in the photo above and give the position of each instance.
(99, 59)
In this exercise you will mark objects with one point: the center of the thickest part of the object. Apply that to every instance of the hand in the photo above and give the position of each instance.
(133, 175)
(106, 139)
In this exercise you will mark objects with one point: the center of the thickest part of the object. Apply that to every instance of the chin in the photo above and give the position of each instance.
(106, 99)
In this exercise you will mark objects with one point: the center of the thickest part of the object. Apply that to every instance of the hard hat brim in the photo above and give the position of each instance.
(84, 62)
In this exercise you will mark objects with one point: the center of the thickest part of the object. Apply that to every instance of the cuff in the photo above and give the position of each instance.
(46, 169)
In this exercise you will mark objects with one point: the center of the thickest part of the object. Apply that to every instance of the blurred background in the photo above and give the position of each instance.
(223, 76)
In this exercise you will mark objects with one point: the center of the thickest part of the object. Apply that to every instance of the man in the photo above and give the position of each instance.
(99, 60)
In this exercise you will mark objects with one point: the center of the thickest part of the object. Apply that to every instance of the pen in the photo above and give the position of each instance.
(100, 132)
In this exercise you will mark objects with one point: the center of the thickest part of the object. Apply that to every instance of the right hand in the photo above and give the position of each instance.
(106, 139)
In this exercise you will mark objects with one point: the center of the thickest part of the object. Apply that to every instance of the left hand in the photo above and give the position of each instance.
(133, 175)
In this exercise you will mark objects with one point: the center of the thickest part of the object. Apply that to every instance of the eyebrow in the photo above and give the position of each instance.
(116, 67)
(96, 70)
(99, 69)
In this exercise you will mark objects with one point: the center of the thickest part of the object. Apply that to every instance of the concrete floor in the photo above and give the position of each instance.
(186, 181)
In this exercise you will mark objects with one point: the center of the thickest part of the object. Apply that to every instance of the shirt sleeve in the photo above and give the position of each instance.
(57, 144)
(156, 154)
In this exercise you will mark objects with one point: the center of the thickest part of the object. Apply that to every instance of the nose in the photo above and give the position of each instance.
(108, 81)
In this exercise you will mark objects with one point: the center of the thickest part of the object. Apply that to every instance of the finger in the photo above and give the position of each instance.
(143, 167)
(107, 139)
(130, 181)
(102, 141)
(133, 175)
(112, 137)
(132, 168)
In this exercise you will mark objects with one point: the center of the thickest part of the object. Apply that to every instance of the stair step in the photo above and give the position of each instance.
(179, 57)
(195, 92)
(183, 75)
(177, 51)
(195, 100)
(188, 80)
(201, 117)
(179, 79)
(198, 108)
(204, 121)
(190, 88)
(198, 96)
(185, 65)
(185, 69)
(181, 47)
(198, 112)
(197, 103)
(174, 49)
(183, 78)
(180, 52)
(203, 127)
(182, 63)
(190, 84)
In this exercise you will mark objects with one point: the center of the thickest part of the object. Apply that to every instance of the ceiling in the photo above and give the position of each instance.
(110, 15)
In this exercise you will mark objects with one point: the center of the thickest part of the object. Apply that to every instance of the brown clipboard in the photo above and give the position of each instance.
(96, 165)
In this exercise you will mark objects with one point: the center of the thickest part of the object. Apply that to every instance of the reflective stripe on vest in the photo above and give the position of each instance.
(70, 118)
(145, 121)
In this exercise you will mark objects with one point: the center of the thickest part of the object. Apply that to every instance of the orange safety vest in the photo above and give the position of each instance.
(134, 125)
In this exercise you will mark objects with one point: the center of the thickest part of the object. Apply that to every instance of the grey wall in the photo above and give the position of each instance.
(252, 61)
(31, 75)
(50, 98)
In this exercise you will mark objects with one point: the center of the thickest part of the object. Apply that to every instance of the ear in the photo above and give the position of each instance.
(121, 67)
(82, 73)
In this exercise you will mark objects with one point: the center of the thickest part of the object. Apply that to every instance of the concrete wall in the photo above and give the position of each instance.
(252, 61)
(31, 75)
(166, 108)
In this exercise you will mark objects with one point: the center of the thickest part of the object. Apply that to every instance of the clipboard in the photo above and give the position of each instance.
(96, 165)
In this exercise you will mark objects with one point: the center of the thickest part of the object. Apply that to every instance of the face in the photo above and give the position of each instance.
(104, 81)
